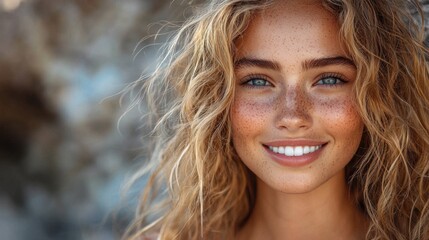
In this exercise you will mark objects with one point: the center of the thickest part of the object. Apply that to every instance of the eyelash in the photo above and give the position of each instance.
(246, 81)
(338, 77)
(335, 76)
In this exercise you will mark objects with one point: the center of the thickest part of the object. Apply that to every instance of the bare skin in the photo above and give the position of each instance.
(321, 214)
(294, 89)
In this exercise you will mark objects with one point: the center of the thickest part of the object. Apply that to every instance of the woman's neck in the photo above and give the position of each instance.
(324, 213)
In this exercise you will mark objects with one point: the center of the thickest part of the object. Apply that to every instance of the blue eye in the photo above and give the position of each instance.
(258, 82)
(331, 80)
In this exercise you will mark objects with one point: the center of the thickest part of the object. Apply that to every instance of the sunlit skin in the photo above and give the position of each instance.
(294, 84)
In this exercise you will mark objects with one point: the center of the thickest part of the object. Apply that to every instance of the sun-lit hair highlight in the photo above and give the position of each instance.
(198, 188)
(190, 95)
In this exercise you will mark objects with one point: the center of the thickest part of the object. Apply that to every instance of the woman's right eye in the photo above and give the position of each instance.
(258, 82)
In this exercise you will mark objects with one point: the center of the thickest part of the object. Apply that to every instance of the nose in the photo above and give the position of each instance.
(294, 111)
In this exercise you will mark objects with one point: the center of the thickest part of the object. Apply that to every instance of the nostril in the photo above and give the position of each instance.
(294, 118)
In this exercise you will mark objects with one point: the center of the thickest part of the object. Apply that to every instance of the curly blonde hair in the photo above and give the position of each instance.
(199, 189)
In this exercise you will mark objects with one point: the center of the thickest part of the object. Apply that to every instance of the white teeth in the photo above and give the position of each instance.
(298, 151)
(306, 149)
(289, 151)
(294, 151)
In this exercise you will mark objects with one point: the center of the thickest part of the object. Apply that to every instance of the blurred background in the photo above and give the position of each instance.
(64, 154)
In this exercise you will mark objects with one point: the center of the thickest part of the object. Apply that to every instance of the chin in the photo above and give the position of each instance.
(302, 184)
(297, 188)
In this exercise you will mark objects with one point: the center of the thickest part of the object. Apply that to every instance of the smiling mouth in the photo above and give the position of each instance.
(294, 151)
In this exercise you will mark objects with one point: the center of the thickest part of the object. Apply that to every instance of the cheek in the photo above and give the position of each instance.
(250, 116)
(250, 119)
(341, 119)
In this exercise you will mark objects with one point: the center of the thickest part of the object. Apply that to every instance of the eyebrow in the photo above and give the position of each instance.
(322, 62)
(255, 62)
(307, 64)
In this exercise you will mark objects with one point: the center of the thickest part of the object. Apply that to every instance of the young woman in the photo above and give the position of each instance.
(291, 119)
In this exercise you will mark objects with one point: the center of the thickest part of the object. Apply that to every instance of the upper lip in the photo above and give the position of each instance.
(294, 142)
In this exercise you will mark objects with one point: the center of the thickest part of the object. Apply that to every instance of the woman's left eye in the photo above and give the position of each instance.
(330, 81)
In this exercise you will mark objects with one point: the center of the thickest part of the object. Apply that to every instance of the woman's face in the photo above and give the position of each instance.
(294, 121)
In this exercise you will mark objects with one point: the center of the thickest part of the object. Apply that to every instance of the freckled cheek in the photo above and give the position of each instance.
(340, 115)
(251, 115)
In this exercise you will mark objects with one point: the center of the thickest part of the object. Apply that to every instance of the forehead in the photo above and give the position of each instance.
(292, 26)
(296, 12)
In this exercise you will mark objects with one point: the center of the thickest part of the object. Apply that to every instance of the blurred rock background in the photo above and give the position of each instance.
(63, 155)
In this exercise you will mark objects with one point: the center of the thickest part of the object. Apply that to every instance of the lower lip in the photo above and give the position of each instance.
(295, 161)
